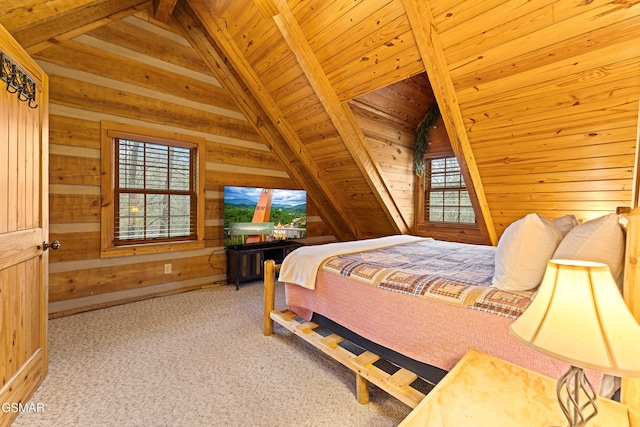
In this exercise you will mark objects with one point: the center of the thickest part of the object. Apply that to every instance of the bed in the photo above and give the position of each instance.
(424, 303)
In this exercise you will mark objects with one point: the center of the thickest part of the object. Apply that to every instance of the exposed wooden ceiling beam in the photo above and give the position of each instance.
(293, 158)
(163, 9)
(86, 28)
(66, 20)
(266, 7)
(19, 15)
(339, 112)
(435, 63)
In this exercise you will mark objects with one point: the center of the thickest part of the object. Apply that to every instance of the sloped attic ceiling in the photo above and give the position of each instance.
(304, 93)
(539, 99)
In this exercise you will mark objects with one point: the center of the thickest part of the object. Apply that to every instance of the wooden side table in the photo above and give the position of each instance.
(482, 390)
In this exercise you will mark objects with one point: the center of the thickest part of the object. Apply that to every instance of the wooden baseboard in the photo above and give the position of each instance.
(79, 305)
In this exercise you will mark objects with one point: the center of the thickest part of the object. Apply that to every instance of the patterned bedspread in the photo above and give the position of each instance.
(450, 272)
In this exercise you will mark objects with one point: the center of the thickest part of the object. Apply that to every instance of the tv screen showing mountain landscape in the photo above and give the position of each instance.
(288, 212)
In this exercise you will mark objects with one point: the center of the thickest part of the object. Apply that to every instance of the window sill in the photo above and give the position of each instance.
(437, 224)
(151, 248)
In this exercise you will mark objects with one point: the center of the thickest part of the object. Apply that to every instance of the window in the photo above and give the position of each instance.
(153, 190)
(446, 198)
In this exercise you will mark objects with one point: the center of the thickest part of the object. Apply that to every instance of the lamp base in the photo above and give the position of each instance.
(573, 387)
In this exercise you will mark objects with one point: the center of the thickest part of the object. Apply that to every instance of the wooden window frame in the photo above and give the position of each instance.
(148, 191)
(111, 131)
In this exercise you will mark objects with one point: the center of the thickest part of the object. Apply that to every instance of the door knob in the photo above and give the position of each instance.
(55, 245)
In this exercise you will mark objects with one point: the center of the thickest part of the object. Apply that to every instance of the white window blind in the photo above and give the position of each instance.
(446, 195)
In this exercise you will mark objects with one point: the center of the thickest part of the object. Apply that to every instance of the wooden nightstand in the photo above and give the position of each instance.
(482, 390)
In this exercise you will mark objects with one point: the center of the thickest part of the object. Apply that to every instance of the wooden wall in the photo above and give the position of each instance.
(389, 118)
(134, 72)
(548, 95)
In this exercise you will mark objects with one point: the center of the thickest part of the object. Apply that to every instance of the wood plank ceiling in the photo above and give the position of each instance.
(539, 99)
(303, 98)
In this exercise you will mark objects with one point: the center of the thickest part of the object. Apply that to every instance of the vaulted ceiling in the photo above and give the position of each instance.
(539, 99)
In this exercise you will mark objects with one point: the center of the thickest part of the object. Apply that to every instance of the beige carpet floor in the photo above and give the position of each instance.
(195, 359)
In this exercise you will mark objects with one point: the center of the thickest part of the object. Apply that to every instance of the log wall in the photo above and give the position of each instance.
(134, 72)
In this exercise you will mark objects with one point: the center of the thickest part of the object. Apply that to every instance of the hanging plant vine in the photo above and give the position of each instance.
(422, 138)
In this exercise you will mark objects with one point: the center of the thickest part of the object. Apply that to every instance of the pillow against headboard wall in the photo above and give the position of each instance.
(523, 251)
(565, 223)
(598, 240)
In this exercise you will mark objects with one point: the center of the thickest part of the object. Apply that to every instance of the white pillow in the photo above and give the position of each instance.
(598, 240)
(565, 223)
(523, 252)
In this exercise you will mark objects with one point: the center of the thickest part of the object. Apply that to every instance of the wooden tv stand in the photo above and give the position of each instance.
(245, 262)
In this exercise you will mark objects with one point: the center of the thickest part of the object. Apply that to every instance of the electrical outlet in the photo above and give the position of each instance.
(167, 268)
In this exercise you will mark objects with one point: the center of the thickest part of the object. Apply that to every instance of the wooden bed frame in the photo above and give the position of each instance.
(399, 383)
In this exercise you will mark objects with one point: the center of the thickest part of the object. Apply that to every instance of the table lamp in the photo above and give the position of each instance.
(579, 317)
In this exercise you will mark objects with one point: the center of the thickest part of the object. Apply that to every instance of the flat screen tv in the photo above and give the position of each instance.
(253, 214)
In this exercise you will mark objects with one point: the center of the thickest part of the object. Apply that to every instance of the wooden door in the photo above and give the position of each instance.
(24, 227)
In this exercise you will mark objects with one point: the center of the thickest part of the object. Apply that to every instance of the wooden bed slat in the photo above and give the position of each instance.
(361, 364)
(306, 327)
(332, 340)
(366, 359)
(403, 378)
(288, 315)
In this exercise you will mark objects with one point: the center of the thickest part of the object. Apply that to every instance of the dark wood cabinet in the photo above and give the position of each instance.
(245, 262)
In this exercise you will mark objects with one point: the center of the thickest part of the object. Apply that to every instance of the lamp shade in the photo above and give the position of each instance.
(579, 316)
